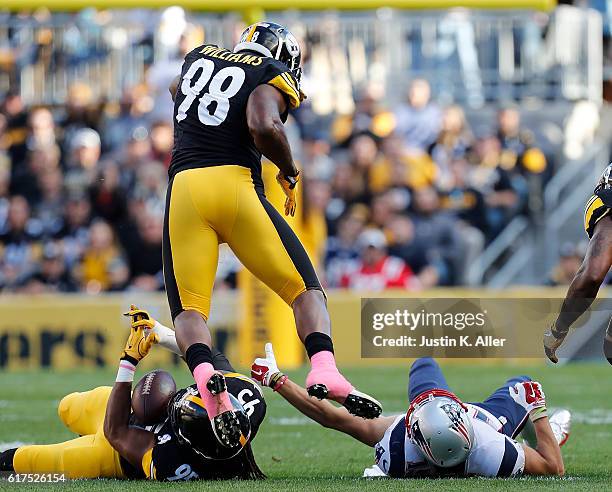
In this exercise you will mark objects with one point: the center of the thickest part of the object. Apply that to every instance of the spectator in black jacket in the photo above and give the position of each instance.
(436, 232)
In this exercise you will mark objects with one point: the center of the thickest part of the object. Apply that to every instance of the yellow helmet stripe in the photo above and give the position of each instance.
(197, 400)
(251, 32)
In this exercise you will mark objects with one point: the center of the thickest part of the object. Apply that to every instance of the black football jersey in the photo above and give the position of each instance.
(170, 460)
(210, 127)
(597, 207)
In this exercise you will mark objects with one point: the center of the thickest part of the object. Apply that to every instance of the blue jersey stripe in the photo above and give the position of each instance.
(397, 441)
(509, 460)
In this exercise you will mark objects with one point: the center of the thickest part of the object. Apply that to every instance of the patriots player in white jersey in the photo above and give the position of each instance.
(440, 435)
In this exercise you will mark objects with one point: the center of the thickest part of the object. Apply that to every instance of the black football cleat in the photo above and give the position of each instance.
(357, 403)
(225, 425)
(6, 460)
(318, 391)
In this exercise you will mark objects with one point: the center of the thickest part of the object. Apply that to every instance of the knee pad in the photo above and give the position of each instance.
(68, 409)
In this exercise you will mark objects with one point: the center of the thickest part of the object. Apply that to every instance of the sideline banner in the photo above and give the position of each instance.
(73, 331)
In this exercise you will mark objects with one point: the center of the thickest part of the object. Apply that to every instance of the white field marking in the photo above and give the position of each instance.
(5, 403)
(291, 421)
(21, 418)
(11, 444)
(595, 416)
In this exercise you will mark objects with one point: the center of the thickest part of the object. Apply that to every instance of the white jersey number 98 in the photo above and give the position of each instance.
(214, 104)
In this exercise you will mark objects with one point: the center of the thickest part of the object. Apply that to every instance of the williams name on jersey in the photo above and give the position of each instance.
(210, 104)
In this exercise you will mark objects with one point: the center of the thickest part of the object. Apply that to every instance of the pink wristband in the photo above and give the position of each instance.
(282, 380)
(126, 371)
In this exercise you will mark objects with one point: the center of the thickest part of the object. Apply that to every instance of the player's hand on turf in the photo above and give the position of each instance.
(266, 371)
(139, 343)
(289, 186)
(530, 395)
(551, 344)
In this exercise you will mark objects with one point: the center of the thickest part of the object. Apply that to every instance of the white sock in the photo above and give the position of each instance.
(167, 337)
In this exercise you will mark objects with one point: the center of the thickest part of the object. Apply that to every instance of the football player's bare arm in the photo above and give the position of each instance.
(130, 442)
(368, 432)
(546, 459)
(585, 285)
(264, 109)
(174, 86)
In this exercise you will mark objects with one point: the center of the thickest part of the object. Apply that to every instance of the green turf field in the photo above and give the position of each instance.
(299, 455)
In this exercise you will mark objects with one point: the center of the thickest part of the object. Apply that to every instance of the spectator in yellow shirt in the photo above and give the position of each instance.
(102, 259)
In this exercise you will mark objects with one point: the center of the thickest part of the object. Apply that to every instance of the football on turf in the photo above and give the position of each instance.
(151, 396)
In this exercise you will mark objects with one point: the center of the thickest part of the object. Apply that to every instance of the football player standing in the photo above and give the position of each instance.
(591, 274)
(230, 107)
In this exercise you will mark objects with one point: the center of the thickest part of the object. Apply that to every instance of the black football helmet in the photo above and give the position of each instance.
(275, 41)
(190, 422)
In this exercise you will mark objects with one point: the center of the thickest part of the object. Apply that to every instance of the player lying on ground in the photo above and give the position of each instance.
(179, 447)
(229, 109)
(440, 435)
(591, 274)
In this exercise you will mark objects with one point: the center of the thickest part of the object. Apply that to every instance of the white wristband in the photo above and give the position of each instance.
(126, 371)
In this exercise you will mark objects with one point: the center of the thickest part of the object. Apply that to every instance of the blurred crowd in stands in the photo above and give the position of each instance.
(410, 195)
(401, 198)
(404, 196)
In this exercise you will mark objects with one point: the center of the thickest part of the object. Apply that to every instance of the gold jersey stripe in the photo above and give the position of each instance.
(147, 464)
(281, 84)
(588, 211)
(290, 81)
(595, 211)
(237, 375)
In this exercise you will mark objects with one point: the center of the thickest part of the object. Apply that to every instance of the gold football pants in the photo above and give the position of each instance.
(88, 456)
(212, 205)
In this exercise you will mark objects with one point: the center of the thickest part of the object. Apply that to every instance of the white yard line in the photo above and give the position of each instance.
(11, 444)
(595, 416)
(285, 421)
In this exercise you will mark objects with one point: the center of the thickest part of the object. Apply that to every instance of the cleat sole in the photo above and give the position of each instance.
(319, 391)
(226, 428)
(357, 403)
(362, 405)
(226, 425)
(216, 384)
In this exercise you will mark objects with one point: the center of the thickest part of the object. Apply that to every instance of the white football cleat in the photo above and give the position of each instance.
(561, 422)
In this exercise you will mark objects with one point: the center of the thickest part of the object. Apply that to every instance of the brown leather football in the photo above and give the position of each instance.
(151, 396)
